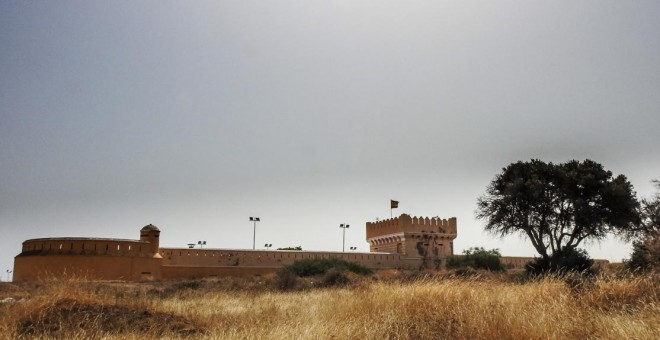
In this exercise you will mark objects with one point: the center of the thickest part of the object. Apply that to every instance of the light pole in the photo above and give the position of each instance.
(201, 243)
(268, 245)
(353, 248)
(9, 274)
(343, 235)
(191, 245)
(254, 230)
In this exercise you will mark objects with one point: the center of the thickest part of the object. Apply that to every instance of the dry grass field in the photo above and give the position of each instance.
(387, 306)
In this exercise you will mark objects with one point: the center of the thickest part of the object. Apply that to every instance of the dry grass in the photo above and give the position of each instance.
(416, 307)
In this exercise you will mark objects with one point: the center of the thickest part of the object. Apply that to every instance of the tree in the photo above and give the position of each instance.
(477, 258)
(559, 206)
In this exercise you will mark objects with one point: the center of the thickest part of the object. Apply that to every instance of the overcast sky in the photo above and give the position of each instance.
(195, 116)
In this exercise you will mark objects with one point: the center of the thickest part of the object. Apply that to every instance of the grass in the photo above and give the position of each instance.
(388, 305)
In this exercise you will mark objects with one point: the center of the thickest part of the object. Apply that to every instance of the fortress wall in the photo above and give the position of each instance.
(86, 258)
(518, 262)
(88, 267)
(187, 263)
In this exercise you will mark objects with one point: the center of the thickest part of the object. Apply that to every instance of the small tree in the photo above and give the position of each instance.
(477, 258)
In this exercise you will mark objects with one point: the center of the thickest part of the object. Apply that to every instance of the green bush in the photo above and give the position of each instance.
(568, 259)
(311, 267)
(477, 258)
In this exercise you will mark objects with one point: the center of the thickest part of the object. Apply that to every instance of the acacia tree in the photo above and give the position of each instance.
(558, 206)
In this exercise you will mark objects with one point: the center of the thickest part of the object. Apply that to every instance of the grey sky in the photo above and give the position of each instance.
(196, 115)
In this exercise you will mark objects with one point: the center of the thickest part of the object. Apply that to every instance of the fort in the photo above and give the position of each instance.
(402, 242)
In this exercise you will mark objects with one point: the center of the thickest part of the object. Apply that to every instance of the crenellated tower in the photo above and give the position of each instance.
(430, 239)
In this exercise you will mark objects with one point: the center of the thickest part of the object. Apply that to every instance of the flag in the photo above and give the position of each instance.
(394, 204)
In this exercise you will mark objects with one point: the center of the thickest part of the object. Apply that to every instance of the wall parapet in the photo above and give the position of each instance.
(85, 246)
(406, 223)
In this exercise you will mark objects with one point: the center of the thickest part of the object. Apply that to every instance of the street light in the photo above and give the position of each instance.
(268, 245)
(254, 230)
(9, 274)
(201, 243)
(343, 235)
(353, 248)
(191, 245)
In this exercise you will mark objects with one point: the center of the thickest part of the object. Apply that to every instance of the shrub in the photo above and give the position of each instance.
(334, 277)
(291, 248)
(646, 254)
(568, 259)
(311, 267)
(286, 280)
(477, 258)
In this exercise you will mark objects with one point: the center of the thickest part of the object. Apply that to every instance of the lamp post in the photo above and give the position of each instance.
(254, 230)
(191, 245)
(343, 235)
(201, 243)
(9, 274)
(353, 248)
(268, 245)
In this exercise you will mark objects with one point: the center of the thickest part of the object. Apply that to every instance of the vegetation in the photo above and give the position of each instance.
(568, 259)
(646, 247)
(488, 306)
(477, 258)
(311, 267)
(291, 248)
(558, 206)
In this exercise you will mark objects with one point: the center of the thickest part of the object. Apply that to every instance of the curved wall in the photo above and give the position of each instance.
(86, 258)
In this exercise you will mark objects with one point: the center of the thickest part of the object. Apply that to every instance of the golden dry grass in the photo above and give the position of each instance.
(490, 307)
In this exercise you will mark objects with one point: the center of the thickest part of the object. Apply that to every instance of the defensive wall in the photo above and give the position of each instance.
(402, 242)
(90, 258)
(144, 259)
(180, 263)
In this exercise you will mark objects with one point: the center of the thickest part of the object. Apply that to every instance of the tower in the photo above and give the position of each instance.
(150, 233)
(427, 239)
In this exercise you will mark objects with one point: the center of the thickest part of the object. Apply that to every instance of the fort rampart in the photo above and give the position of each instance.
(102, 259)
(403, 242)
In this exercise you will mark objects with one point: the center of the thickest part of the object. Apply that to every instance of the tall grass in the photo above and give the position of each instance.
(481, 307)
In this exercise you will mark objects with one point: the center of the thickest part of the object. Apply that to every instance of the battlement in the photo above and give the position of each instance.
(407, 224)
(86, 246)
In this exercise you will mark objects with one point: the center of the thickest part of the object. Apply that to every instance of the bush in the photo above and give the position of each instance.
(311, 267)
(334, 277)
(568, 259)
(477, 258)
(646, 254)
(286, 280)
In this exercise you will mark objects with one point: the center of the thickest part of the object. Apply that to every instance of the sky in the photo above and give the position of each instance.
(195, 116)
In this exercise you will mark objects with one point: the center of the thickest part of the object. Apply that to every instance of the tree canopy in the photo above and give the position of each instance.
(559, 206)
